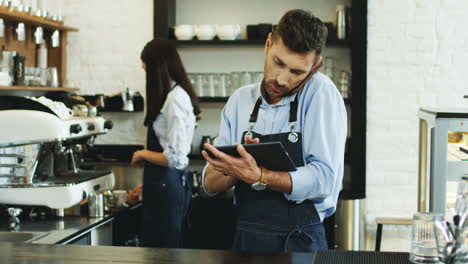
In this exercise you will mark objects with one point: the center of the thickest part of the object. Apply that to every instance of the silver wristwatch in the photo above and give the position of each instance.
(259, 186)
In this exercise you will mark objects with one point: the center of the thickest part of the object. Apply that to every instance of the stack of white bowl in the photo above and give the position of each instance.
(207, 31)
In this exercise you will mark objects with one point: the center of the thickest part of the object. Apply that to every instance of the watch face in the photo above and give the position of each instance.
(259, 186)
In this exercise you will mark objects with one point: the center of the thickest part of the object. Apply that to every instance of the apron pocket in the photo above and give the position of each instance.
(258, 242)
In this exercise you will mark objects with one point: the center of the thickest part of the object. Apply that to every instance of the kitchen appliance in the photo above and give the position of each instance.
(18, 69)
(96, 205)
(127, 98)
(41, 155)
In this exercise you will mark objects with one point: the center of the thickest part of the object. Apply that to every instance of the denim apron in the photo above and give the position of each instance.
(166, 197)
(267, 222)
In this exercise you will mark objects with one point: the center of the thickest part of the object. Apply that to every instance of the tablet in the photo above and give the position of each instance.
(269, 155)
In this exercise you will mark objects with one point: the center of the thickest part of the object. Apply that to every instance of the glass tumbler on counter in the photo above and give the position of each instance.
(423, 241)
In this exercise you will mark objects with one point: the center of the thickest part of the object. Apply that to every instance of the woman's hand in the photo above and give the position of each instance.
(138, 158)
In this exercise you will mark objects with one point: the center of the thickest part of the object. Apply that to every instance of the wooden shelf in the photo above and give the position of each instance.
(26, 18)
(38, 88)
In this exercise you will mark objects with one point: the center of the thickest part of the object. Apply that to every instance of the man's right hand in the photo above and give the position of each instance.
(250, 140)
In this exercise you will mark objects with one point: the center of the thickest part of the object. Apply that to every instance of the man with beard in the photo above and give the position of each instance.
(301, 108)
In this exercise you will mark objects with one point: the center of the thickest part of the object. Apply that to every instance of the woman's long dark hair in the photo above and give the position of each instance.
(163, 64)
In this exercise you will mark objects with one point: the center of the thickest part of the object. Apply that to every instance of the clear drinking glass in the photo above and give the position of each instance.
(211, 83)
(235, 82)
(423, 242)
(245, 78)
(221, 89)
(329, 67)
(28, 75)
(198, 84)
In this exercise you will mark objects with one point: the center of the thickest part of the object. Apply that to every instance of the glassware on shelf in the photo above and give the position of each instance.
(245, 78)
(222, 81)
(423, 241)
(257, 76)
(328, 67)
(343, 84)
(28, 76)
(234, 82)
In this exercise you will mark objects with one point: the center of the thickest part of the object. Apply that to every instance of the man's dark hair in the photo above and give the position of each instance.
(301, 31)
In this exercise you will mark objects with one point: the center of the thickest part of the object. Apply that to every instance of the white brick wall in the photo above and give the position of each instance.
(417, 54)
(104, 56)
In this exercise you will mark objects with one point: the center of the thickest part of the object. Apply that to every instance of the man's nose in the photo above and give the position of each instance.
(282, 78)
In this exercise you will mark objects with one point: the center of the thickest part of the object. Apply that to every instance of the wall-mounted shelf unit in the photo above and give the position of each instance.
(56, 57)
(28, 19)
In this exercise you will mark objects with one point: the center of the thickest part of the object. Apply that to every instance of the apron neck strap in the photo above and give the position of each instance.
(292, 110)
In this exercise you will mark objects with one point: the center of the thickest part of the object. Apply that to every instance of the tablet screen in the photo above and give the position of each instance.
(270, 155)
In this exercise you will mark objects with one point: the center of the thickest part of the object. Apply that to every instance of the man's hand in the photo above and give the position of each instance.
(243, 168)
(250, 140)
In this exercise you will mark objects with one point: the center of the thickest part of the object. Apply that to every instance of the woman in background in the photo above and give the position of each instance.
(171, 110)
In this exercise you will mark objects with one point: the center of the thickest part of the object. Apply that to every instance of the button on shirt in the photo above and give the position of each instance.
(322, 120)
(175, 126)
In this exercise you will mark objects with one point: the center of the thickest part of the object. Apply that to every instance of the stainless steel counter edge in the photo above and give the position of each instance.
(70, 228)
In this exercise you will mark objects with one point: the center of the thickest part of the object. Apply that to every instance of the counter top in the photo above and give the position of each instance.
(51, 254)
(61, 231)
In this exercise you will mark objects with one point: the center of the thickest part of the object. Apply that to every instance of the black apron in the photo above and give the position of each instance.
(166, 198)
(267, 221)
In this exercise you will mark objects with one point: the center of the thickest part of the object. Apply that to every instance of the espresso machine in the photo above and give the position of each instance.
(41, 152)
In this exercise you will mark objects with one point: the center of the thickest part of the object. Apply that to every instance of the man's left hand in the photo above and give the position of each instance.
(243, 168)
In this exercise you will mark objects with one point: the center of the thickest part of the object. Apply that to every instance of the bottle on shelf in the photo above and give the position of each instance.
(42, 56)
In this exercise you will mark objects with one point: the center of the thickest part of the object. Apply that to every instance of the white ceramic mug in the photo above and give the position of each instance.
(184, 32)
(206, 31)
(228, 31)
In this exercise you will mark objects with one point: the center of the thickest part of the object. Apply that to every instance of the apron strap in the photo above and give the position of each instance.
(292, 111)
(302, 234)
(254, 115)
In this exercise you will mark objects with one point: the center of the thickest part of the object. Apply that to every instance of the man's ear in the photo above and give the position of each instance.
(268, 42)
(317, 65)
